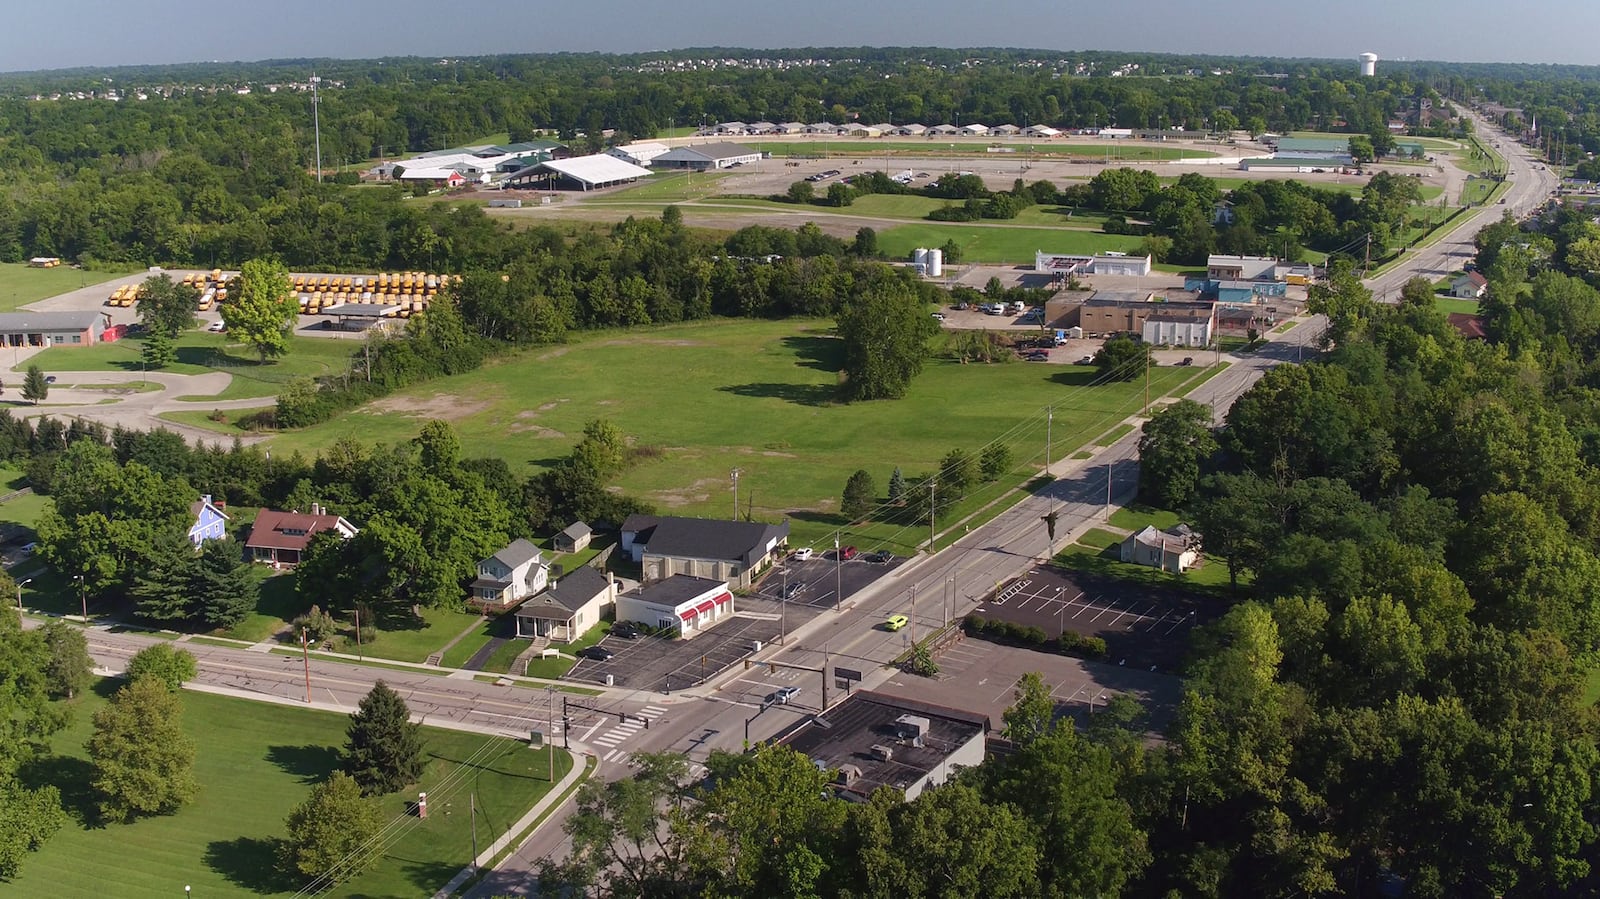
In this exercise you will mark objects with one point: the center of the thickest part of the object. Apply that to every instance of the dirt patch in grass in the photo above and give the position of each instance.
(525, 425)
(445, 406)
(698, 492)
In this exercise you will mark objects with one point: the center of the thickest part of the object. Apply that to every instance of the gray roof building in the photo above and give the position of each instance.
(516, 553)
(576, 589)
(703, 538)
(875, 740)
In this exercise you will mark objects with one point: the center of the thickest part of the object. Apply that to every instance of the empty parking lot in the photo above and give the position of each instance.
(1142, 626)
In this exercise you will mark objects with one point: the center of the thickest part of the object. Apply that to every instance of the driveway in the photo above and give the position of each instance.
(73, 396)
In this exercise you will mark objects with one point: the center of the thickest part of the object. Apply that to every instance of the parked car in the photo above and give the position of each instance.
(938, 316)
(627, 631)
(895, 622)
(1086, 360)
(1187, 360)
(881, 556)
(216, 327)
(597, 652)
(49, 379)
(28, 549)
(782, 695)
(804, 553)
(793, 590)
(1037, 356)
(847, 553)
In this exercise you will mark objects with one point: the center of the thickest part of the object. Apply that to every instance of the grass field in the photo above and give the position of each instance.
(25, 509)
(255, 762)
(415, 645)
(989, 243)
(700, 399)
(672, 187)
(200, 352)
(1212, 577)
(1452, 304)
(21, 284)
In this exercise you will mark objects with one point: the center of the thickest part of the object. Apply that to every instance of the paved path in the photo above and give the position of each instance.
(135, 409)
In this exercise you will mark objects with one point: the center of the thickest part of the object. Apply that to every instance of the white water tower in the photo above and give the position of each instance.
(1369, 64)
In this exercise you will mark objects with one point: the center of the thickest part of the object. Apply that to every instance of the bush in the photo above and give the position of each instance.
(1033, 636)
(172, 667)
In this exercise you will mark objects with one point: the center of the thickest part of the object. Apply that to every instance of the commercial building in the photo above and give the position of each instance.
(53, 328)
(1241, 268)
(639, 154)
(1102, 264)
(730, 551)
(1297, 166)
(1175, 550)
(686, 604)
(873, 740)
(706, 157)
(579, 173)
(1191, 325)
(1335, 148)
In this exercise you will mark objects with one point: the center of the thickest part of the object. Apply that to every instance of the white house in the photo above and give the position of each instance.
(509, 576)
(681, 602)
(569, 608)
(1175, 550)
(1469, 286)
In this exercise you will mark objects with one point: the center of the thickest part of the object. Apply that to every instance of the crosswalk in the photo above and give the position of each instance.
(625, 729)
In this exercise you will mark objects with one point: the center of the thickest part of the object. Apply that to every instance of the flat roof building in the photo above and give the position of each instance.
(683, 603)
(873, 740)
(52, 328)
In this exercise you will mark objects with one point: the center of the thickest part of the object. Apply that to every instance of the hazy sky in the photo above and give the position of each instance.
(67, 33)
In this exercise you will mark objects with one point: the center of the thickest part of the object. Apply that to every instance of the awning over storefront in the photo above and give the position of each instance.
(706, 607)
(687, 614)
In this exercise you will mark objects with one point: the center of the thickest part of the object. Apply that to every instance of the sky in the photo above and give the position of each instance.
(71, 33)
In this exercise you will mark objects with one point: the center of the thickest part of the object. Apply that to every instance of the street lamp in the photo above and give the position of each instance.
(20, 585)
(83, 595)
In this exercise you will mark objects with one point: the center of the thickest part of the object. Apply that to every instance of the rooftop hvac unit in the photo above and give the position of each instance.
(882, 753)
(913, 728)
(848, 774)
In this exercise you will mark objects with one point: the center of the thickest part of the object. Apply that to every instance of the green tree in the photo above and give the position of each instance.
(224, 588)
(841, 194)
(158, 351)
(897, 487)
(801, 192)
(162, 588)
(34, 386)
(330, 830)
(167, 307)
(860, 495)
(886, 331)
(28, 818)
(143, 761)
(1174, 444)
(263, 312)
(1032, 712)
(1417, 292)
(383, 749)
(69, 670)
(777, 818)
(866, 243)
(1122, 359)
(171, 668)
(997, 460)
(950, 843)
(959, 472)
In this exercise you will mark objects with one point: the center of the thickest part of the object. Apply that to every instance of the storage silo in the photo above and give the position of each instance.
(935, 266)
(919, 256)
(1369, 64)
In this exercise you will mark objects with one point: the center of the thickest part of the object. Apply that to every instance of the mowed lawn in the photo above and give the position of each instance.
(201, 351)
(1001, 243)
(701, 399)
(255, 762)
(21, 284)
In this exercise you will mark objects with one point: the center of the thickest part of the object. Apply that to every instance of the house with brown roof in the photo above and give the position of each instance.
(281, 538)
(1469, 326)
(1469, 286)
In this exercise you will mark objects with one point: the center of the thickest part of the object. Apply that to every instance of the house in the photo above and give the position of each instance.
(1470, 286)
(574, 539)
(84, 328)
(1175, 550)
(509, 576)
(210, 522)
(731, 551)
(681, 602)
(569, 608)
(706, 157)
(872, 740)
(280, 538)
(1469, 326)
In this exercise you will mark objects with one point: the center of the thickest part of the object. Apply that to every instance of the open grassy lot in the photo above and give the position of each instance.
(1136, 517)
(201, 351)
(1086, 555)
(672, 186)
(1453, 304)
(21, 284)
(415, 645)
(700, 399)
(25, 509)
(1002, 243)
(256, 761)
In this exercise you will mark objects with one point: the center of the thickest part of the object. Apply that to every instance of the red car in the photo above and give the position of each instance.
(847, 553)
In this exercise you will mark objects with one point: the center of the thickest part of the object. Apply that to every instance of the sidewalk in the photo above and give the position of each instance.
(578, 771)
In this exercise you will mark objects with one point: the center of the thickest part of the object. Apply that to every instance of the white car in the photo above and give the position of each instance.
(938, 316)
(804, 553)
(216, 327)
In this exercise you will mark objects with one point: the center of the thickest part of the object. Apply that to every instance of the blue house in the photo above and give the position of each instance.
(210, 522)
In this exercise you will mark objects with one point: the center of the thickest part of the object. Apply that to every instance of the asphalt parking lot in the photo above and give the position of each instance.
(663, 665)
(823, 583)
(1144, 627)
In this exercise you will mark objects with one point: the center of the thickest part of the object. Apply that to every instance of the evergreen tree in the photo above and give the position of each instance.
(161, 590)
(143, 761)
(328, 830)
(384, 749)
(221, 584)
(158, 351)
(34, 386)
(860, 492)
(897, 487)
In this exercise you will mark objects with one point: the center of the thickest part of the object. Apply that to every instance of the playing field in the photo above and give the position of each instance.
(699, 400)
(21, 284)
(256, 761)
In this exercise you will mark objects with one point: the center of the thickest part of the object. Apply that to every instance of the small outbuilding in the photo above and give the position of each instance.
(574, 538)
(1176, 549)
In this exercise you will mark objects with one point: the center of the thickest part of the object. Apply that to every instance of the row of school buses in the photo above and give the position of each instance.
(411, 291)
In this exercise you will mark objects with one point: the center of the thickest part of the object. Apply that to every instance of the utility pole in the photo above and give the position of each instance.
(472, 800)
(1049, 422)
(549, 745)
(783, 598)
(838, 599)
(1108, 491)
(360, 653)
(316, 122)
(913, 614)
(932, 485)
(734, 474)
(305, 657)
